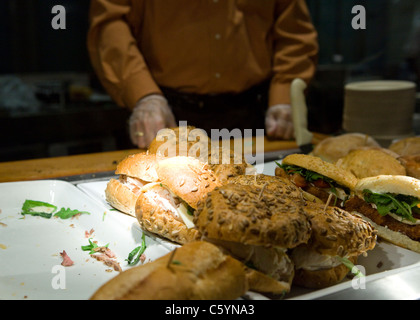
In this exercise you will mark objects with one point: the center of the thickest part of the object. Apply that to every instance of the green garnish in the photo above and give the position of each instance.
(309, 175)
(401, 205)
(92, 246)
(354, 270)
(134, 255)
(38, 208)
(190, 209)
(47, 210)
(312, 176)
(68, 213)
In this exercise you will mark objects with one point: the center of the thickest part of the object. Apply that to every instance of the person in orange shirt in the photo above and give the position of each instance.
(214, 63)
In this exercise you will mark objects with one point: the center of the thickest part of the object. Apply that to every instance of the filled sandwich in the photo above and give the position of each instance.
(316, 177)
(337, 237)
(279, 185)
(256, 226)
(166, 207)
(134, 172)
(391, 203)
(190, 141)
(333, 148)
(194, 271)
(370, 162)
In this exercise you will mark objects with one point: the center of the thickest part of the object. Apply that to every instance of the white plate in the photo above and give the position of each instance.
(30, 261)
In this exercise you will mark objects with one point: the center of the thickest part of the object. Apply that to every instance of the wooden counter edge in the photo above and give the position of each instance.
(58, 167)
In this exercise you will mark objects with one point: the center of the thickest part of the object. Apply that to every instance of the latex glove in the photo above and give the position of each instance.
(278, 122)
(150, 115)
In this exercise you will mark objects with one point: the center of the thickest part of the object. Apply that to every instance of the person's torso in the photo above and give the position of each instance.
(205, 46)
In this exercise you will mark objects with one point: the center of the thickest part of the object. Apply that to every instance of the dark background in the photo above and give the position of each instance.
(66, 118)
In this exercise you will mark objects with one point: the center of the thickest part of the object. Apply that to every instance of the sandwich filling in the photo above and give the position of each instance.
(272, 261)
(400, 207)
(316, 184)
(172, 204)
(132, 183)
(308, 259)
(400, 214)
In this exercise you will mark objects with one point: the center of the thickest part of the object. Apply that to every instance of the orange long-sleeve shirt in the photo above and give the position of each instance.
(200, 46)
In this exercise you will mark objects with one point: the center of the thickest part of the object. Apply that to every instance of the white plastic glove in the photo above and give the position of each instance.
(150, 114)
(278, 122)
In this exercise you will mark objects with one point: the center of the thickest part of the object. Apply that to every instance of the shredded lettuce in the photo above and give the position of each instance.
(309, 175)
(401, 205)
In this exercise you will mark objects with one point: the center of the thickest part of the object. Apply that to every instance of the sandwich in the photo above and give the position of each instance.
(194, 271)
(134, 171)
(406, 147)
(391, 203)
(180, 141)
(337, 237)
(323, 180)
(370, 162)
(166, 207)
(257, 227)
(275, 184)
(333, 148)
(194, 142)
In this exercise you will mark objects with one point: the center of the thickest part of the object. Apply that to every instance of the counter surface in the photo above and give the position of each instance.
(94, 163)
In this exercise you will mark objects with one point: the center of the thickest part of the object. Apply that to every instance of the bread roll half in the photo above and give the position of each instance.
(195, 271)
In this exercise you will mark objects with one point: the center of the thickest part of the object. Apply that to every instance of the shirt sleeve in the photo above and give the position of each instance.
(114, 53)
(295, 49)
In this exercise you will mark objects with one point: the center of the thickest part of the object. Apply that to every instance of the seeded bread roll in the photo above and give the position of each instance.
(194, 142)
(140, 165)
(256, 226)
(338, 232)
(189, 178)
(330, 170)
(165, 208)
(157, 212)
(195, 271)
(135, 171)
(277, 184)
(248, 215)
(121, 197)
(170, 139)
(226, 163)
(335, 233)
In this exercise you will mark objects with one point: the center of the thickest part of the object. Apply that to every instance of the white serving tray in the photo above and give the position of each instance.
(383, 260)
(30, 246)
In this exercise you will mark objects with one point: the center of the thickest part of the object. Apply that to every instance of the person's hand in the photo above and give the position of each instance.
(150, 115)
(278, 122)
